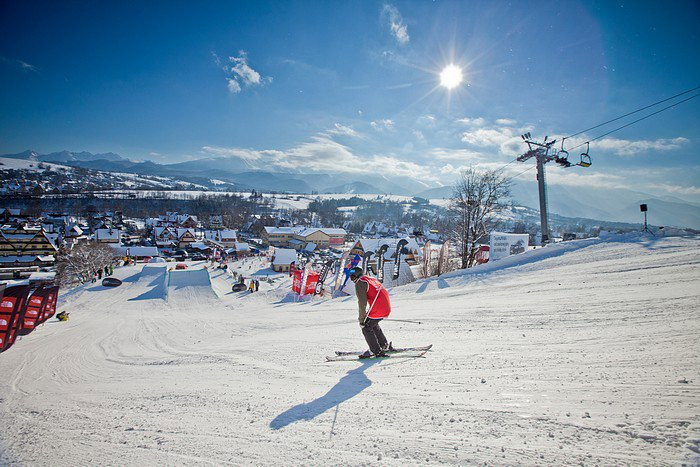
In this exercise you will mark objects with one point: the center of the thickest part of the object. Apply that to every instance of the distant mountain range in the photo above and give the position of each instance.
(225, 173)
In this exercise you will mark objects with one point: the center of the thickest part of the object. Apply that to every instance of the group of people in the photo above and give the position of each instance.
(106, 271)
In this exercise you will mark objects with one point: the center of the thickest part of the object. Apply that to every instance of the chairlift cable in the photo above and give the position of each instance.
(634, 112)
(635, 121)
(618, 118)
(520, 173)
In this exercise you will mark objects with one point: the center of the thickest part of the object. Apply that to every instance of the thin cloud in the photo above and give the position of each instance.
(343, 130)
(479, 121)
(384, 124)
(396, 24)
(627, 148)
(19, 63)
(239, 73)
(505, 121)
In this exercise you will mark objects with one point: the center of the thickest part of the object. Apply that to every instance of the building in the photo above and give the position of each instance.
(108, 236)
(226, 237)
(26, 247)
(298, 237)
(23, 241)
(282, 258)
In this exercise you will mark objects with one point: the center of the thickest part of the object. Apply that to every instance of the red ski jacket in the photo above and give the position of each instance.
(377, 298)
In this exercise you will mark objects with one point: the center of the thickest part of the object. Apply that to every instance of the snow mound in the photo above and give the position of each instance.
(190, 286)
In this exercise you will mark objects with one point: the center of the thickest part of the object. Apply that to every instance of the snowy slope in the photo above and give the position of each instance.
(564, 355)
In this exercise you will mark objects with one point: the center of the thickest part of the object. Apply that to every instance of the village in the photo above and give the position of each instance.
(32, 247)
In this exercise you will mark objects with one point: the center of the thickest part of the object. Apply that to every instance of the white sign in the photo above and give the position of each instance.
(506, 244)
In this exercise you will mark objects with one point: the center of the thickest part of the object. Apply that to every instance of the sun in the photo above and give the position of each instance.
(451, 76)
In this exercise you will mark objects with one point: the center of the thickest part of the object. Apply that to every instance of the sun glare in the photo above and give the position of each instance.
(451, 76)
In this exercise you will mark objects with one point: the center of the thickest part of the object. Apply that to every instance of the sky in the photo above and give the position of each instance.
(354, 87)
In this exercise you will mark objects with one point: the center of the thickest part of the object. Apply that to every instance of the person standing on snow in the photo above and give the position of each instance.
(370, 292)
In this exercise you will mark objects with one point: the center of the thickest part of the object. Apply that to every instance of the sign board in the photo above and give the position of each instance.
(298, 284)
(503, 245)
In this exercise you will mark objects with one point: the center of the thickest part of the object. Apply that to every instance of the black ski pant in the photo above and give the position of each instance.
(374, 335)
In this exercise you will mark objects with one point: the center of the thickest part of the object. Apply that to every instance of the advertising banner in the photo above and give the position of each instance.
(307, 287)
(503, 245)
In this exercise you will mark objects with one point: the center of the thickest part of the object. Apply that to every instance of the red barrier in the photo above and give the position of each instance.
(12, 308)
(49, 308)
(32, 313)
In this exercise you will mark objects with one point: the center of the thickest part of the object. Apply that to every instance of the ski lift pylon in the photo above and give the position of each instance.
(585, 158)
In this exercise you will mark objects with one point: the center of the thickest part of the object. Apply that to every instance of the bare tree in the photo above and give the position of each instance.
(79, 263)
(477, 197)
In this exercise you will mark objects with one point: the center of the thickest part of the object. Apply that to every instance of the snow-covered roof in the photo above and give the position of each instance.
(326, 230)
(136, 250)
(182, 231)
(283, 230)
(284, 256)
(242, 246)
(221, 234)
(26, 258)
(107, 234)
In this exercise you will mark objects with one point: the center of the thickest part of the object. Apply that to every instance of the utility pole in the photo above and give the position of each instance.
(543, 153)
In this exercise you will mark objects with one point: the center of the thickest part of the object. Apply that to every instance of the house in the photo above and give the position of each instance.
(282, 258)
(108, 236)
(22, 241)
(165, 237)
(185, 237)
(227, 237)
(216, 222)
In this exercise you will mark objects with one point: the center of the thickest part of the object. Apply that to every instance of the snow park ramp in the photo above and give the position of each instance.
(151, 281)
(190, 286)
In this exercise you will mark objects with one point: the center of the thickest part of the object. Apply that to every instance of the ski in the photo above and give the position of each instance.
(356, 358)
(423, 348)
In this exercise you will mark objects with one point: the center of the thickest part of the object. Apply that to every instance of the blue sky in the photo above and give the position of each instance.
(354, 86)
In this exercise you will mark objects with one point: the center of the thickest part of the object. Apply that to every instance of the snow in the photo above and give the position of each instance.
(24, 164)
(581, 352)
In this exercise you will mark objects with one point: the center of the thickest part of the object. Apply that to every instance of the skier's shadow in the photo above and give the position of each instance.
(350, 385)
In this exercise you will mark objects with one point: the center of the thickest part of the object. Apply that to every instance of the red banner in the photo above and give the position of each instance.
(311, 281)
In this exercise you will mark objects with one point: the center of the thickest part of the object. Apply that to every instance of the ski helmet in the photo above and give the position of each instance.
(356, 272)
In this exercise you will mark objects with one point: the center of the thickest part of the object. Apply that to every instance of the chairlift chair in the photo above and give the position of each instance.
(585, 158)
(562, 156)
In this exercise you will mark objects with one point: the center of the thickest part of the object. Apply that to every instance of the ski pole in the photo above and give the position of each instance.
(402, 320)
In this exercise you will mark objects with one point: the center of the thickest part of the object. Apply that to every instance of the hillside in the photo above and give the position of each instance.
(582, 352)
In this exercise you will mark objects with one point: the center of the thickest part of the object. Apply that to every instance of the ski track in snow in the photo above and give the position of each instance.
(569, 354)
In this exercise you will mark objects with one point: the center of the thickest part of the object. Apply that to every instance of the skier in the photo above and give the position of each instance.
(251, 287)
(371, 292)
(257, 285)
(111, 269)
